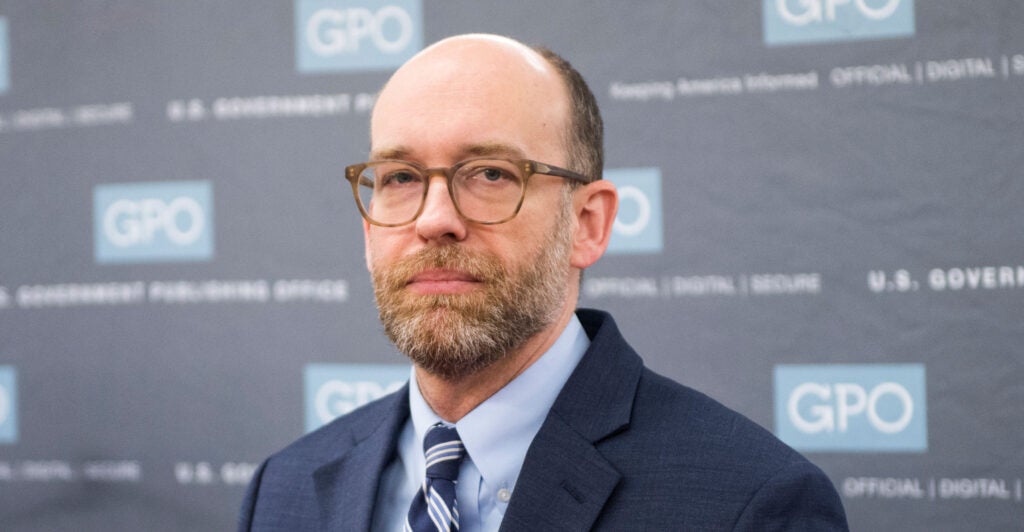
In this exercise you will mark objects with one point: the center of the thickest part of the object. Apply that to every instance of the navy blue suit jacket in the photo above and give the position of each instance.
(622, 448)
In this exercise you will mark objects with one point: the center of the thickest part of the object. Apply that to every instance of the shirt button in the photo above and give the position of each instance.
(504, 495)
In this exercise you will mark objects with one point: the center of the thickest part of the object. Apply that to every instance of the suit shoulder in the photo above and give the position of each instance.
(345, 431)
(666, 409)
(283, 492)
(718, 469)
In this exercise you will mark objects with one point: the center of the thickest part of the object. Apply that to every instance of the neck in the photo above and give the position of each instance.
(453, 398)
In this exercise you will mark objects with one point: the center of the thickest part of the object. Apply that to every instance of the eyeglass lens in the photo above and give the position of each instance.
(484, 190)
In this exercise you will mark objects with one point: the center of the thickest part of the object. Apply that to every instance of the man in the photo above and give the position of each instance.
(482, 205)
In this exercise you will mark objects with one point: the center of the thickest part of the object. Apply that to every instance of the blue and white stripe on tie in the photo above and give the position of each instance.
(434, 508)
(452, 450)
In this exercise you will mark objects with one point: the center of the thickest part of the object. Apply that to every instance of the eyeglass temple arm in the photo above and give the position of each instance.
(547, 169)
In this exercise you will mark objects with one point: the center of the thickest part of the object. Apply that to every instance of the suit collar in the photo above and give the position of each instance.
(565, 481)
(598, 398)
(345, 500)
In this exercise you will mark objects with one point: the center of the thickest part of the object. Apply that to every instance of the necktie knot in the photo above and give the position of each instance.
(443, 451)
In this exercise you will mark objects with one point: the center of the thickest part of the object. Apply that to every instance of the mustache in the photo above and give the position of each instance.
(483, 266)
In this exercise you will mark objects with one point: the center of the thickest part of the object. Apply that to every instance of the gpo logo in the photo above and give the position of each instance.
(638, 227)
(851, 407)
(642, 215)
(334, 390)
(153, 221)
(342, 35)
(8, 405)
(335, 31)
(5, 405)
(128, 223)
(833, 405)
(337, 397)
(793, 21)
(825, 10)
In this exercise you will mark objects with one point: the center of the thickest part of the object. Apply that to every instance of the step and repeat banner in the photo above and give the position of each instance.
(820, 226)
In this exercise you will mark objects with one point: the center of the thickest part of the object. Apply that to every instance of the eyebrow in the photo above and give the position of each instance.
(389, 153)
(488, 149)
(483, 149)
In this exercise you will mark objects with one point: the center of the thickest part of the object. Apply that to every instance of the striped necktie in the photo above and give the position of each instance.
(434, 508)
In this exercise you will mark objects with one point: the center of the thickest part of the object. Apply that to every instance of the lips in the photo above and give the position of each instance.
(440, 281)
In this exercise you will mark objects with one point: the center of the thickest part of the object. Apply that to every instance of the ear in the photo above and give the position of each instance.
(595, 206)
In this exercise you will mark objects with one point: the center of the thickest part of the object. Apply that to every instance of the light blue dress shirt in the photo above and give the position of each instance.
(496, 434)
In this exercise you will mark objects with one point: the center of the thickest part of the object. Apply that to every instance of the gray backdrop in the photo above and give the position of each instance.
(821, 227)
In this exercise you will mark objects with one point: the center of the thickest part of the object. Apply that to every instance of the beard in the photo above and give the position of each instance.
(455, 335)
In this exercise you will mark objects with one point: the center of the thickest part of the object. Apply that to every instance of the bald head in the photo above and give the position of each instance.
(464, 85)
(510, 51)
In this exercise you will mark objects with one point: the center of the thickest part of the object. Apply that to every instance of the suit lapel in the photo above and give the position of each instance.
(565, 481)
(346, 488)
(563, 485)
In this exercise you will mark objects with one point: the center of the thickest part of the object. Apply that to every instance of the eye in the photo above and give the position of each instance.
(492, 174)
(489, 174)
(400, 177)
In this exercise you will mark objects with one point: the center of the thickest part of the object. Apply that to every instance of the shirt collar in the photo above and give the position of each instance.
(498, 432)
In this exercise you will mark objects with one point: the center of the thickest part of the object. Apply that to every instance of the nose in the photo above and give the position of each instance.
(439, 219)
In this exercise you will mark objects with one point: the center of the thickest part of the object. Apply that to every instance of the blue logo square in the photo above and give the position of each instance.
(5, 69)
(638, 226)
(846, 407)
(8, 405)
(333, 390)
(153, 222)
(356, 35)
(807, 21)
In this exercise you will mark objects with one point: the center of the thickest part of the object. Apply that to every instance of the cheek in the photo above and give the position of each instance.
(539, 220)
(380, 248)
(386, 246)
(521, 245)
(366, 245)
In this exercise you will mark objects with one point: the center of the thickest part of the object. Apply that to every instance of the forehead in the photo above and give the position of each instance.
(465, 95)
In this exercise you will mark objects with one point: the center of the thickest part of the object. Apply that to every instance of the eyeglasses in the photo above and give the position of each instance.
(488, 191)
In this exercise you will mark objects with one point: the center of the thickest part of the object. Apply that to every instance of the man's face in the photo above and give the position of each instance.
(453, 295)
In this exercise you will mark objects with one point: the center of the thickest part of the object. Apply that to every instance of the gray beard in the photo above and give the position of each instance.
(453, 336)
